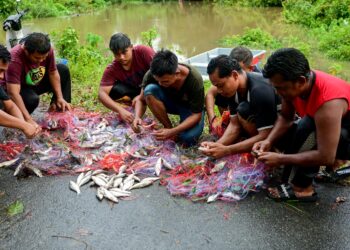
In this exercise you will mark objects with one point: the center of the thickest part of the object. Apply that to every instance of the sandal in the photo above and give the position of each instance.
(286, 193)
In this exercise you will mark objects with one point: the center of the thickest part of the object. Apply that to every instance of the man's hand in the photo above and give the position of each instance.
(164, 134)
(136, 125)
(262, 146)
(31, 130)
(270, 158)
(126, 116)
(63, 105)
(214, 149)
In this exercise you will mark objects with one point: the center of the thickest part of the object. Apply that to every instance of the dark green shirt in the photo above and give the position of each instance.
(191, 93)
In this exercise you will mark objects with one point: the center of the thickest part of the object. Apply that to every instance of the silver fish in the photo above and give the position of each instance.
(99, 181)
(110, 196)
(35, 170)
(43, 152)
(8, 163)
(231, 196)
(122, 169)
(18, 169)
(213, 198)
(85, 180)
(218, 167)
(120, 190)
(117, 182)
(158, 166)
(98, 171)
(74, 187)
(130, 177)
(145, 182)
(80, 177)
(128, 184)
(118, 194)
(167, 165)
(99, 194)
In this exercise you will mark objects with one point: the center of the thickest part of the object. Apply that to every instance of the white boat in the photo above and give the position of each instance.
(201, 61)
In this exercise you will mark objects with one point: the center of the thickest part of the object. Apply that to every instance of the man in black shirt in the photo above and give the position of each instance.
(171, 87)
(253, 106)
(10, 115)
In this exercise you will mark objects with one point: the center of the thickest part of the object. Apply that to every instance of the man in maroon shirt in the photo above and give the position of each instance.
(123, 77)
(32, 72)
(320, 137)
(10, 115)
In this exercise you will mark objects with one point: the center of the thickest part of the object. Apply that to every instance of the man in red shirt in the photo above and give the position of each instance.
(32, 72)
(123, 77)
(320, 137)
(10, 115)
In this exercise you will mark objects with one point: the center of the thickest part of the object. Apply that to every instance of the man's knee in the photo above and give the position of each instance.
(153, 91)
(31, 103)
(63, 70)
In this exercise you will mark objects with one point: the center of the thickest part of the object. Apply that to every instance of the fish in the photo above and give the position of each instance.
(84, 180)
(128, 184)
(8, 163)
(110, 196)
(231, 195)
(117, 182)
(74, 186)
(145, 182)
(120, 190)
(167, 165)
(218, 167)
(130, 177)
(118, 194)
(99, 181)
(35, 170)
(19, 169)
(213, 198)
(122, 169)
(98, 171)
(99, 194)
(80, 177)
(43, 152)
(158, 166)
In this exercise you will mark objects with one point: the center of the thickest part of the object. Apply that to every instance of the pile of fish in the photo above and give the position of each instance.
(111, 187)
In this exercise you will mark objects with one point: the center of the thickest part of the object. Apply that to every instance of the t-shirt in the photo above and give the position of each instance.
(325, 88)
(263, 101)
(191, 93)
(22, 71)
(140, 64)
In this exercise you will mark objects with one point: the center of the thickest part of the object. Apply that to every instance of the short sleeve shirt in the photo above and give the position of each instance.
(191, 93)
(22, 71)
(263, 100)
(325, 88)
(140, 64)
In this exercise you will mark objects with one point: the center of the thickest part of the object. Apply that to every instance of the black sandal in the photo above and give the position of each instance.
(286, 193)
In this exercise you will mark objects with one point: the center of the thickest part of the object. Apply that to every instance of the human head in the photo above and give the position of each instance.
(164, 67)
(288, 71)
(5, 58)
(37, 46)
(244, 57)
(224, 73)
(121, 47)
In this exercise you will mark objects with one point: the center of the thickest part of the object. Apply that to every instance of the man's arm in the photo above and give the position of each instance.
(231, 133)
(10, 121)
(328, 125)
(108, 102)
(12, 109)
(188, 123)
(210, 103)
(247, 145)
(55, 82)
(284, 121)
(13, 90)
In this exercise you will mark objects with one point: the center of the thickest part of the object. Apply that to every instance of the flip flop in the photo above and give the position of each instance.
(286, 193)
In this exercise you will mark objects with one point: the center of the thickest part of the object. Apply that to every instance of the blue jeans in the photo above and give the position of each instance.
(189, 136)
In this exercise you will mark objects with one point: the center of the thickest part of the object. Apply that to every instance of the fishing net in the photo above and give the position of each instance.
(80, 141)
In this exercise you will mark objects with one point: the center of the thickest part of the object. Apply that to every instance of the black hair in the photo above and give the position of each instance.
(290, 63)
(242, 54)
(5, 55)
(225, 66)
(37, 42)
(164, 62)
(119, 42)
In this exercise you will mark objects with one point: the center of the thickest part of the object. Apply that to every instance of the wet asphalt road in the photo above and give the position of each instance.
(56, 218)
